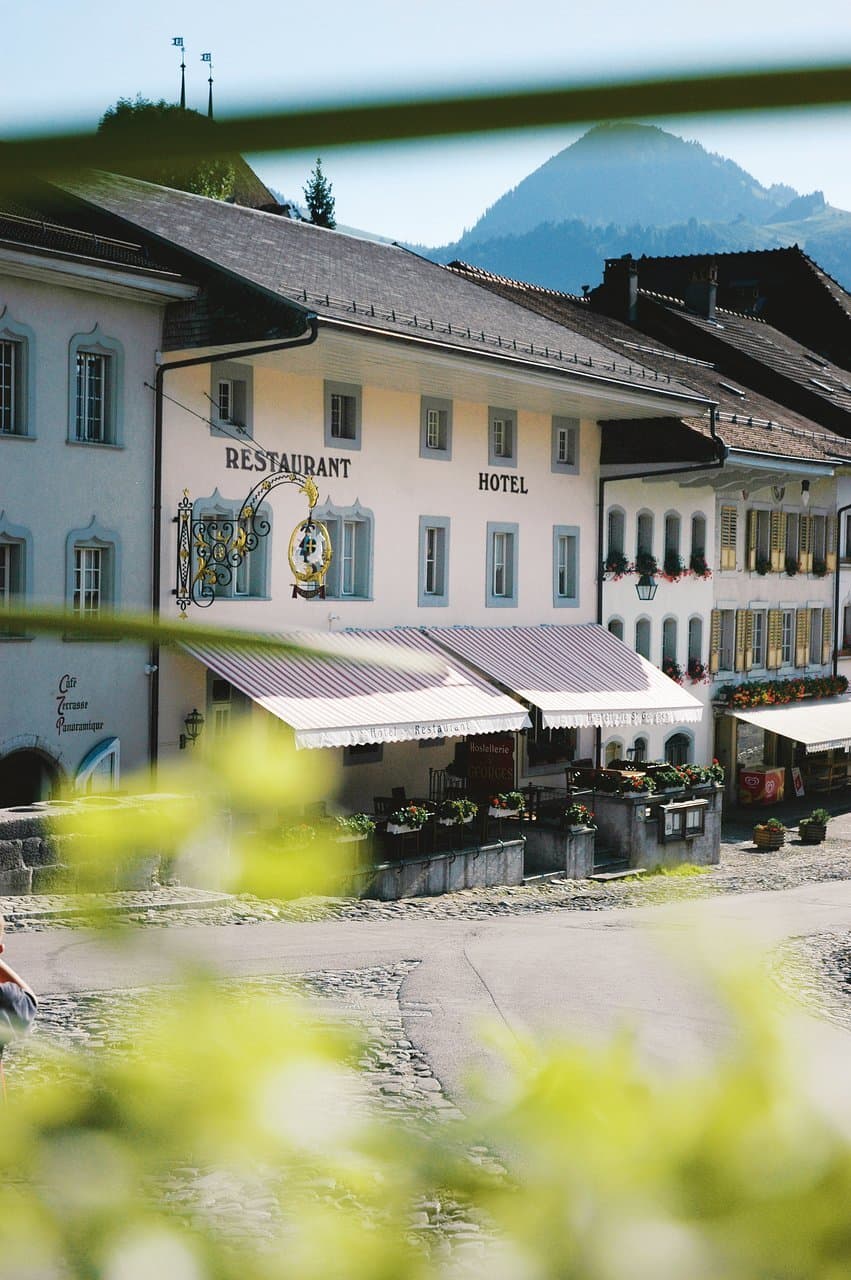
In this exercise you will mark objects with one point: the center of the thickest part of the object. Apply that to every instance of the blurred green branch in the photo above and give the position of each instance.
(346, 123)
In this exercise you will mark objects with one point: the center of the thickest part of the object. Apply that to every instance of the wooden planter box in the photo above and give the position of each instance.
(768, 838)
(812, 832)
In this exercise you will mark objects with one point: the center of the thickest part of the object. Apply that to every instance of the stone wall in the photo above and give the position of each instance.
(475, 868)
(551, 848)
(630, 826)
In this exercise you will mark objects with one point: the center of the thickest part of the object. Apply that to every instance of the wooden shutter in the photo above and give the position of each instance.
(805, 544)
(830, 545)
(826, 634)
(777, 539)
(775, 638)
(714, 640)
(728, 537)
(748, 638)
(741, 629)
(751, 532)
(802, 637)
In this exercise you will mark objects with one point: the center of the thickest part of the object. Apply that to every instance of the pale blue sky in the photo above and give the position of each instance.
(65, 63)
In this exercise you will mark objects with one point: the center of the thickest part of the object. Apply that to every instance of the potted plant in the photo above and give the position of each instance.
(812, 830)
(457, 813)
(668, 779)
(355, 826)
(646, 563)
(409, 817)
(791, 565)
(506, 804)
(770, 834)
(763, 565)
(672, 670)
(616, 564)
(819, 567)
(299, 836)
(698, 672)
(673, 566)
(697, 564)
(637, 785)
(579, 817)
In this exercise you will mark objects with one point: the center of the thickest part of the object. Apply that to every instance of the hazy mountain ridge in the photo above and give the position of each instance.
(636, 189)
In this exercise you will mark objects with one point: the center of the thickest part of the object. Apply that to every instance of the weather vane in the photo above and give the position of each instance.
(208, 58)
(177, 41)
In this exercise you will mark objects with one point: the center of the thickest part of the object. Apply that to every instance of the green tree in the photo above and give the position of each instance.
(320, 201)
(135, 120)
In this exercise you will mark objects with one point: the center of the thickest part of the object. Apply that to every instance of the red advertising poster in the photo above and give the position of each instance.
(490, 763)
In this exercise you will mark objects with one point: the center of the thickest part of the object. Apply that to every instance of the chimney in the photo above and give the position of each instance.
(617, 296)
(702, 291)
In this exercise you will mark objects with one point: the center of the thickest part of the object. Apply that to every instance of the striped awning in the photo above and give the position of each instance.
(332, 700)
(818, 725)
(576, 675)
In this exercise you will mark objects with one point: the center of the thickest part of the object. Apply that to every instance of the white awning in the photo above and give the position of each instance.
(335, 701)
(818, 725)
(577, 675)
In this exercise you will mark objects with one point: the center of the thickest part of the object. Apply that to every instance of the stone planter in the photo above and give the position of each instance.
(812, 832)
(769, 837)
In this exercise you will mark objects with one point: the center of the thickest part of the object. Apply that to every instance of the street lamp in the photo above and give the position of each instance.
(194, 724)
(646, 587)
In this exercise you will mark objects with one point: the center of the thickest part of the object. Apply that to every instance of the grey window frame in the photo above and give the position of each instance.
(504, 415)
(442, 453)
(216, 507)
(334, 518)
(616, 546)
(22, 340)
(670, 630)
(759, 655)
(240, 424)
(355, 392)
(573, 427)
(108, 541)
(616, 622)
(98, 343)
(727, 639)
(565, 531)
(433, 599)
(19, 539)
(788, 613)
(694, 639)
(510, 598)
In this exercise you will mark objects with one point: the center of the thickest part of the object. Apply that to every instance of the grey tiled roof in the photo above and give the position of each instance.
(749, 420)
(20, 225)
(361, 283)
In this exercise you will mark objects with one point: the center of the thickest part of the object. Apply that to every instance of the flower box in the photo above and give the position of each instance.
(456, 822)
(494, 811)
(812, 832)
(765, 837)
(401, 829)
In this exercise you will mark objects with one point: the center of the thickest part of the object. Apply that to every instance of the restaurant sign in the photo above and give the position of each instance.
(490, 763)
(69, 704)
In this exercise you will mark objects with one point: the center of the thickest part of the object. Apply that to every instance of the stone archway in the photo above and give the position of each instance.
(27, 775)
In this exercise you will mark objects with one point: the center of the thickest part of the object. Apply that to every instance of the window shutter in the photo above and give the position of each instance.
(777, 538)
(805, 544)
(728, 537)
(830, 546)
(826, 634)
(802, 637)
(748, 638)
(775, 638)
(714, 640)
(741, 628)
(752, 525)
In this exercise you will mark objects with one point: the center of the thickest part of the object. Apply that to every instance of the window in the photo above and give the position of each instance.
(846, 541)
(639, 751)
(816, 636)
(565, 566)
(644, 534)
(435, 428)
(678, 749)
(759, 540)
(224, 702)
(433, 561)
(92, 569)
(642, 637)
(669, 640)
(818, 539)
(502, 565)
(728, 640)
(364, 753)
(351, 532)
(548, 748)
(728, 530)
(846, 628)
(565, 445)
(502, 437)
(695, 640)
(342, 415)
(616, 627)
(787, 637)
(240, 573)
(682, 821)
(15, 557)
(17, 353)
(698, 536)
(100, 768)
(614, 751)
(672, 535)
(232, 399)
(616, 532)
(96, 376)
(758, 637)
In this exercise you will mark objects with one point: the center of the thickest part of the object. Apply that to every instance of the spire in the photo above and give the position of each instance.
(177, 41)
(208, 58)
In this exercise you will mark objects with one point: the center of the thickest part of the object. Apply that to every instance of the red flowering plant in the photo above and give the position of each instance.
(579, 815)
(672, 670)
(698, 566)
(673, 567)
(774, 693)
(616, 565)
(697, 671)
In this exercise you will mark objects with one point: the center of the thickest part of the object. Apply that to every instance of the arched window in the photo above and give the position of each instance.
(616, 532)
(672, 534)
(616, 627)
(698, 535)
(669, 640)
(15, 570)
(639, 750)
(644, 534)
(614, 751)
(695, 639)
(222, 531)
(351, 530)
(678, 749)
(642, 637)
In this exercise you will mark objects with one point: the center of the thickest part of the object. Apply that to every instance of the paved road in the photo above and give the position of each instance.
(570, 973)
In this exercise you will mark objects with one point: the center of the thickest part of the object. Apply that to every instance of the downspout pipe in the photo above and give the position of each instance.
(722, 452)
(840, 511)
(284, 344)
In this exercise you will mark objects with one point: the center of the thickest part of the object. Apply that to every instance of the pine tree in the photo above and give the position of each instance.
(320, 201)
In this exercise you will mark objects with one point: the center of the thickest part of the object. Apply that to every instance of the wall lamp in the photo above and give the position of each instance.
(805, 492)
(194, 724)
(646, 587)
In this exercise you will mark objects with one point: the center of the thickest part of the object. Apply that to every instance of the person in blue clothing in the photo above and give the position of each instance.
(18, 1005)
